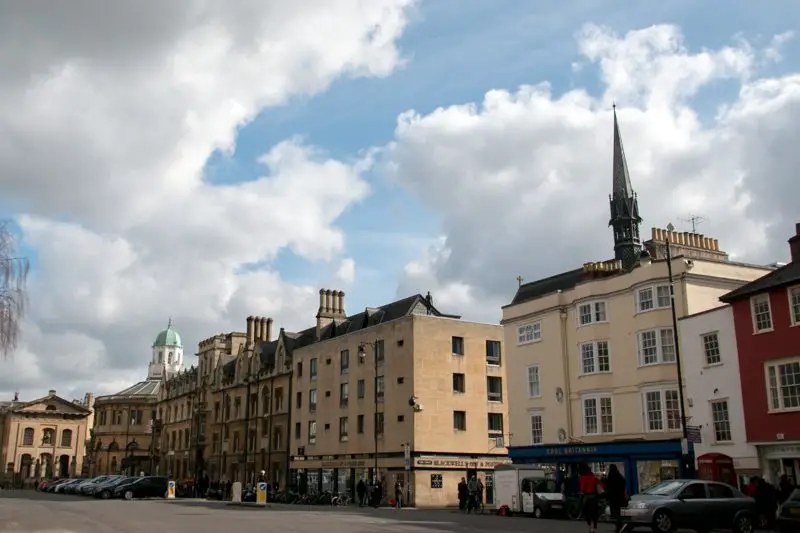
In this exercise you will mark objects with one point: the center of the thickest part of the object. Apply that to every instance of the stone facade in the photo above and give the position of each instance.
(45, 437)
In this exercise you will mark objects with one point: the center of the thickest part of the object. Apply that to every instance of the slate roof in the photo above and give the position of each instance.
(536, 289)
(782, 277)
(338, 327)
(148, 387)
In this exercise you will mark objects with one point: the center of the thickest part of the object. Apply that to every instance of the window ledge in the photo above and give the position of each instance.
(783, 410)
(534, 341)
(603, 373)
(762, 331)
(660, 363)
(712, 365)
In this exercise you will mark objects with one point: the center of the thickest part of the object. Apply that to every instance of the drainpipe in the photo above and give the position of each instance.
(563, 314)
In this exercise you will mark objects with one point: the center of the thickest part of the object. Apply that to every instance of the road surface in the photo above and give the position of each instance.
(33, 512)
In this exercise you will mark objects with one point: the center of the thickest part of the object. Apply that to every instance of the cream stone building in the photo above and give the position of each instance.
(403, 392)
(45, 437)
(125, 422)
(247, 418)
(592, 351)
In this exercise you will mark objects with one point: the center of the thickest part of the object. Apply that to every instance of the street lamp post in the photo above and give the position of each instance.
(688, 465)
(362, 353)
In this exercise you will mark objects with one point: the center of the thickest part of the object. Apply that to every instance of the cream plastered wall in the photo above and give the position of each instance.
(698, 285)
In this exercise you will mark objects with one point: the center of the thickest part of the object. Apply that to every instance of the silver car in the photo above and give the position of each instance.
(691, 504)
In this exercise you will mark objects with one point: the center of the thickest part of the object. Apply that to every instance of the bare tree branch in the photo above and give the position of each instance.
(13, 294)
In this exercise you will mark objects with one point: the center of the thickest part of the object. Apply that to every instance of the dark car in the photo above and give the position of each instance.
(61, 488)
(51, 486)
(142, 487)
(691, 504)
(788, 520)
(106, 489)
(87, 489)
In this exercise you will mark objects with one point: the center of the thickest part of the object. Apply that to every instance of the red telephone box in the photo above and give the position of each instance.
(716, 467)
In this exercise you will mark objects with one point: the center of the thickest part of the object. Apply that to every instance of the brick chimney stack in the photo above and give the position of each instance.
(794, 244)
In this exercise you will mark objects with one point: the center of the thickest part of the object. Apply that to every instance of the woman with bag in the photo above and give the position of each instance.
(590, 497)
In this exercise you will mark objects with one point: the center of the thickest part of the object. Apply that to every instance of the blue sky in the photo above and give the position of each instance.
(456, 51)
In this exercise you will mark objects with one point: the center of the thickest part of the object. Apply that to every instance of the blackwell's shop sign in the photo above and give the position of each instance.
(458, 463)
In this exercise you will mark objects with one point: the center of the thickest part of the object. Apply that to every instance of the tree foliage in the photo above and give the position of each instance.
(13, 294)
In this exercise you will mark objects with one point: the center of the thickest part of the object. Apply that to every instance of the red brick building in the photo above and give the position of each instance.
(766, 314)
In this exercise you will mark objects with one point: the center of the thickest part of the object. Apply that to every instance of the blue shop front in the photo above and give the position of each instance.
(643, 463)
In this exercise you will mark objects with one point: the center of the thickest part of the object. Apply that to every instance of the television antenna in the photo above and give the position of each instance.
(694, 220)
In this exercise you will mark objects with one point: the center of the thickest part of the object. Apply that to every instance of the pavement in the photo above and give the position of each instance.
(34, 512)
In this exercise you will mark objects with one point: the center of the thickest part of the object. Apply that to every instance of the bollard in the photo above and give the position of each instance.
(261, 493)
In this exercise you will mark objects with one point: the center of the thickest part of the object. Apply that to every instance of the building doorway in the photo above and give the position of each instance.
(471, 472)
(63, 466)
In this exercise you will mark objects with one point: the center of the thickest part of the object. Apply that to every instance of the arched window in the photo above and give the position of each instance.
(113, 464)
(113, 447)
(160, 357)
(51, 407)
(27, 437)
(227, 408)
(66, 438)
(265, 401)
(169, 358)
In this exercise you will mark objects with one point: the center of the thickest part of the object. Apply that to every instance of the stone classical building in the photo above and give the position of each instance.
(45, 437)
(122, 436)
(400, 393)
(592, 351)
(246, 430)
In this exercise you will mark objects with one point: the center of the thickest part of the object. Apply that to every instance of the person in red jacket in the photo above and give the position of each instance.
(590, 496)
(751, 487)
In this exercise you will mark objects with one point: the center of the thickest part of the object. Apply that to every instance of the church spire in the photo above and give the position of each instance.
(625, 217)
(622, 180)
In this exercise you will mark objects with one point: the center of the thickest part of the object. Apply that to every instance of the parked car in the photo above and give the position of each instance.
(49, 486)
(691, 504)
(142, 487)
(788, 520)
(106, 489)
(76, 488)
(61, 488)
(87, 489)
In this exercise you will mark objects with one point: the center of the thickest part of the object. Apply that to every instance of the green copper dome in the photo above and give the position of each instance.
(168, 337)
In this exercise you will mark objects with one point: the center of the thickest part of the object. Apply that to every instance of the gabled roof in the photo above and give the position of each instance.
(61, 406)
(782, 277)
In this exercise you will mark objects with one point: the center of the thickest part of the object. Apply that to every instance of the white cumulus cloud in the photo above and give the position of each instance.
(521, 179)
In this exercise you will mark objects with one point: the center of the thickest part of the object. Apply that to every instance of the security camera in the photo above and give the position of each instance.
(418, 408)
(412, 401)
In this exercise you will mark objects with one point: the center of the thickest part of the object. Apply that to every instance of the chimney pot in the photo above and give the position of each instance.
(250, 328)
(51, 392)
(268, 332)
(257, 329)
(340, 302)
(328, 303)
(794, 244)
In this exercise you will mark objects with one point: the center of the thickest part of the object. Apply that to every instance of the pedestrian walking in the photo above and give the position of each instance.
(616, 494)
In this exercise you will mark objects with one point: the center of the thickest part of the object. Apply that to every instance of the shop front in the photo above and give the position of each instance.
(340, 476)
(643, 463)
(427, 480)
(780, 459)
(436, 477)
